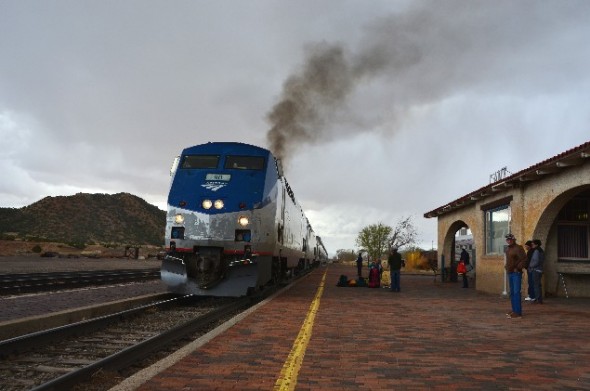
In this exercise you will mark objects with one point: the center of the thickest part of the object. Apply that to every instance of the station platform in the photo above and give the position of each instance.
(431, 335)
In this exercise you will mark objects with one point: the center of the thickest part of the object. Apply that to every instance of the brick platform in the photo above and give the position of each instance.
(429, 336)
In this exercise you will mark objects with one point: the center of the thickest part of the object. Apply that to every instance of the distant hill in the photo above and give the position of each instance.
(86, 219)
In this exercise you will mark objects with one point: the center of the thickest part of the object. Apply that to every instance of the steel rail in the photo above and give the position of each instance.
(34, 282)
(135, 353)
(24, 343)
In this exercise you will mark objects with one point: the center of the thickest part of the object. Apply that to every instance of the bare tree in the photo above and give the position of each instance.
(404, 233)
(377, 239)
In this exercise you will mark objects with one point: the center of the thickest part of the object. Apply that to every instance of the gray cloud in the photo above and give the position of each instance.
(431, 52)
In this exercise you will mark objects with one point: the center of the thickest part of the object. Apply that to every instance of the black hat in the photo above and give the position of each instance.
(510, 237)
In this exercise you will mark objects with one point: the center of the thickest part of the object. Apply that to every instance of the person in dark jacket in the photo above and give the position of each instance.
(395, 264)
(359, 265)
(464, 257)
(515, 262)
(536, 269)
(528, 246)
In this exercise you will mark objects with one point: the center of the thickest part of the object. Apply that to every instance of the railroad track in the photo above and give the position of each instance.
(61, 358)
(38, 282)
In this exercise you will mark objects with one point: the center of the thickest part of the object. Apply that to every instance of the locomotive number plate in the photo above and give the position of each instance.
(218, 177)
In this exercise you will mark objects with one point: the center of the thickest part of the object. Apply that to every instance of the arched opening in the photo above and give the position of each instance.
(459, 237)
(564, 229)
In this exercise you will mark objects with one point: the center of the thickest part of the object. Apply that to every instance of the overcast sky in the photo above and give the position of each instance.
(380, 109)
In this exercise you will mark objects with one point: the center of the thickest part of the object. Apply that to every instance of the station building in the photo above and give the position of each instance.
(549, 201)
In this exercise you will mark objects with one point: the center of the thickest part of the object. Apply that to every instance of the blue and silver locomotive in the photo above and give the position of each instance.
(233, 224)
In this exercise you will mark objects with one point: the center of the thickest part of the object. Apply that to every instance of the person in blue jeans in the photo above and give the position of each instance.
(515, 261)
(395, 264)
(536, 269)
(528, 247)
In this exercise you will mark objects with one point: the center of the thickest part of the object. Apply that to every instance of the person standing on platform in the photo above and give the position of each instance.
(536, 269)
(515, 262)
(528, 246)
(395, 264)
(359, 265)
(464, 257)
(374, 275)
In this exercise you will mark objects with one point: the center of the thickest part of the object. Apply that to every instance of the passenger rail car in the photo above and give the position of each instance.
(233, 223)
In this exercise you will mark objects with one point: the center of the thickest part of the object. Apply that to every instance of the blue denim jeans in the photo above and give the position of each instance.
(515, 285)
(395, 280)
(531, 287)
(538, 288)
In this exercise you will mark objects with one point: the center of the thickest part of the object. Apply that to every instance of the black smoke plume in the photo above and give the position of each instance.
(420, 56)
(308, 98)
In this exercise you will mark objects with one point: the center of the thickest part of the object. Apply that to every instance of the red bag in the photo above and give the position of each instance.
(461, 269)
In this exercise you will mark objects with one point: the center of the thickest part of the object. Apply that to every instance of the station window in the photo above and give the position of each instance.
(244, 162)
(573, 229)
(497, 225)
(200, 161)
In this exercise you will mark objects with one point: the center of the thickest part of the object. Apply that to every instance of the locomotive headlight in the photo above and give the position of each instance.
(179, 219)
(218, 204)
(206, 204)
(243, 221)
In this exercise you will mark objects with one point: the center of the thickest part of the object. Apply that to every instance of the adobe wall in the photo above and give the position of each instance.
(534, 207)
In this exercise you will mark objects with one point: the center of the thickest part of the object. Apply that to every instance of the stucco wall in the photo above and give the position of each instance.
(534, 208)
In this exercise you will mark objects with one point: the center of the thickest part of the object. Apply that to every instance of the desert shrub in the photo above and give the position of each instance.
(36, 249)
(415, 260)
(78, 245)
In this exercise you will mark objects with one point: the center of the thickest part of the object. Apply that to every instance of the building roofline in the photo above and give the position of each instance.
(563, 161)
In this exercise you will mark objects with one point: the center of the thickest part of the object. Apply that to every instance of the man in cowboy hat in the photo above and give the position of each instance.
(515, 262)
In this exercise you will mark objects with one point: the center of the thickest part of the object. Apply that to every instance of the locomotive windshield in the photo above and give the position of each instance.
(244, 162)
(200, 161)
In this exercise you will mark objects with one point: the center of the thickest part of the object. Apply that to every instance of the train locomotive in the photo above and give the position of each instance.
(233, 224)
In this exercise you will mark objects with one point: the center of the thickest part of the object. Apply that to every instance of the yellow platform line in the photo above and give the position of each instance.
(288, 378)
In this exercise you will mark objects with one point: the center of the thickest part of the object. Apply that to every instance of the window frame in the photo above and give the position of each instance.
(228, 161)
(490, 230)
(574, 215)
(188, 157)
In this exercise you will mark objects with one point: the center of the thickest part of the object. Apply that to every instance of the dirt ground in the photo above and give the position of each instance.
(21, 257)
(24, 248)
